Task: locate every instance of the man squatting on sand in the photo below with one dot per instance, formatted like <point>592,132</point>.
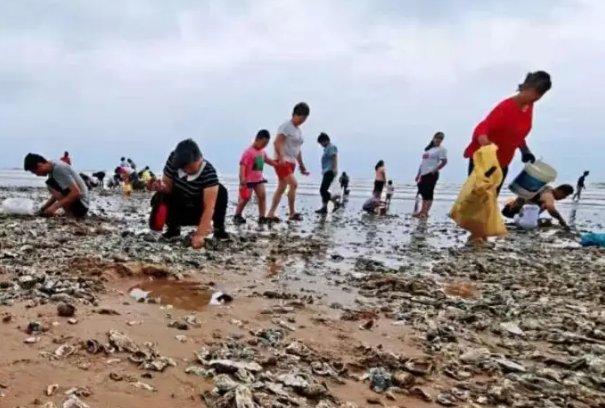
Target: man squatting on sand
<point>189,194</point>
<point>67,189</point>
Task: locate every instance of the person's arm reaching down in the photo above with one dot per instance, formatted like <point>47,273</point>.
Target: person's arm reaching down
<point>335,162</point>
<point>526,154</point>
<point>278,145</point>
<point>242,174</point>
<point>269,160</point>
<point>493,121</point>
<point>549,205</point>
<point>301,163</point>
<point>209,201</point>
<point>46,205</point>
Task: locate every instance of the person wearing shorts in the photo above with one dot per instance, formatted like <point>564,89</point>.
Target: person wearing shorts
<point>329,170</point>
<point>288,153</point>
<point>251,177</point>
<point>434,159</point>
<point>380,179</point>
<point>67,189</point>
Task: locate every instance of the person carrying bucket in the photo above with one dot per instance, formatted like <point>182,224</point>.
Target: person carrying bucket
<point>509,123</point>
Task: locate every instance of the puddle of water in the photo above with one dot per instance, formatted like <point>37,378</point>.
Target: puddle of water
<point>180,295</point>
<point>464,290</point>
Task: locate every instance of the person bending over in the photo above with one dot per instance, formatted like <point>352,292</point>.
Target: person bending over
<point>100,176</point>
<point>68,190</point>
<point>546,200</point>
<point>509,123</point>
<point>188,194</point>
<point>288,152</point>
<point>344,183</point>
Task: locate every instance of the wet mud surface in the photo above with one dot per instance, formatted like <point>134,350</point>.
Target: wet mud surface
<point>334,313</point>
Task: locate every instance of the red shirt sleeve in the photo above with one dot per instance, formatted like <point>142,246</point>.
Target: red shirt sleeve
<point>245,160</point>
<point>493,120</point>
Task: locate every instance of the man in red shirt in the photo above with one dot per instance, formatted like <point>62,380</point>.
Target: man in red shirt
<point>509,123</point>
<point>66,158</point>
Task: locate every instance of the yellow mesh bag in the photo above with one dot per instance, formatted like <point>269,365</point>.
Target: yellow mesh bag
<point>476,209</point>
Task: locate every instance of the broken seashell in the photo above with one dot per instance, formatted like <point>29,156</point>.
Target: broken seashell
<point>74,402</point>
<point>51,389</point>
<point>93,346</point>
<point>224,384</point>
<point>244,397</point>
<point>121,341</point>
<point>139,357</point>
<point>65,350</point>
<point>143,386</point>
<point>421,367</point>
<point>404,379</point>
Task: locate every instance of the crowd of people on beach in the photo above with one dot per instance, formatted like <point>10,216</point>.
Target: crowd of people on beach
<point>189,192</point>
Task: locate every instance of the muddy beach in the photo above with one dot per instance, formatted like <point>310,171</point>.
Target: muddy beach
<point>349,312</point>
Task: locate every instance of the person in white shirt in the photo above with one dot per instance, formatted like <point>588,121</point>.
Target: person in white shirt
<point>288,154</point>
<point>434,159</point>
<point>528,217</point>
<point>390,192</point>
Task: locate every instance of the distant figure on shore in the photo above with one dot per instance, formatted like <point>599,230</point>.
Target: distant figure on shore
<point>131,164</point>
<point>189,193</point>
<point>545,200</point>
<point>580,187</point>
<point>390,192</point>
<point>68,190</point>
<point>126,184</point>
<point>123,162</point>
<point>145,175</point>
<point>251,178</point>
<point>90,183</point>
<point>344,183</point>
<point>509,123</point>
<point>66,159</point>
<point>288,153</point>
<point>434,159</point>
<point>100,176</point>
<point>380,179</point>
<point>329,170</point>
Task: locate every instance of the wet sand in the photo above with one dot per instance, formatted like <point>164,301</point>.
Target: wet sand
<point>427,321</point>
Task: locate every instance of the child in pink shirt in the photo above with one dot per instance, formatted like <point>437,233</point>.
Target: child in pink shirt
<point>251,176</point>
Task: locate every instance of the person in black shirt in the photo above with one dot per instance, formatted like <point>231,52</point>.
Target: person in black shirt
<point>100,175</point>
<point>189,193</point>
<point>344,183</point>
<point>580,186</point>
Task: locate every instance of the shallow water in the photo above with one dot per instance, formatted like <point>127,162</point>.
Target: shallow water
<point>179,295</point>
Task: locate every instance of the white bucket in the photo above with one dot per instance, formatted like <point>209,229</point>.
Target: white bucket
<point>533,178</point>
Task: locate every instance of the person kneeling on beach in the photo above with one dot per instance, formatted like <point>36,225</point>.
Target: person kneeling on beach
<point>67,189</point>
<point>188,194</point>
<point>545,200</point>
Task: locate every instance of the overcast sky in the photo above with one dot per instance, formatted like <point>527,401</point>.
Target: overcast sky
<point>109,78</point>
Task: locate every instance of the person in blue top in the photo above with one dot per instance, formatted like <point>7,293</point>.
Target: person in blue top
<point>329,170</point>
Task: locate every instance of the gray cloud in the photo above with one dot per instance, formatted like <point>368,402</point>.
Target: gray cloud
<point>103,79</point>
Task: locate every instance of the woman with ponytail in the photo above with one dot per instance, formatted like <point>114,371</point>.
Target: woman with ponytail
<point>434,159</point>
<point>509,123</point>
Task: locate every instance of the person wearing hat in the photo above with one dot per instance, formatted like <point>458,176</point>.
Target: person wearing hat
<point>189,194</point>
